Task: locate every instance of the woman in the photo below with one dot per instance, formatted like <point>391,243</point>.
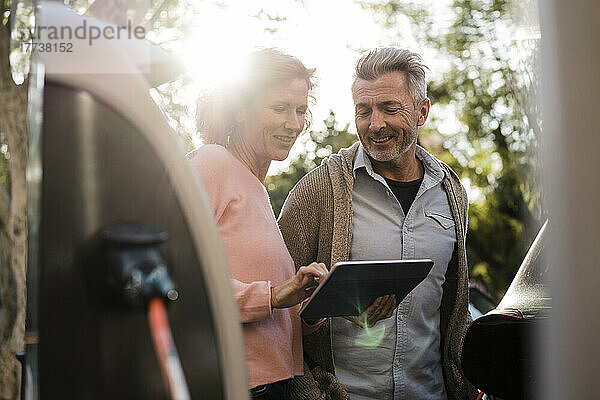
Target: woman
<point>245,128</point>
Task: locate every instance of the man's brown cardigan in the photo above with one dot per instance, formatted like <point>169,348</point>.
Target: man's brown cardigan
<point>316,223</point>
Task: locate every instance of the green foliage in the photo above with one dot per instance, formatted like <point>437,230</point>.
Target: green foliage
<point>19,14</point>
<point>488,126</point>
<point>316,145</point>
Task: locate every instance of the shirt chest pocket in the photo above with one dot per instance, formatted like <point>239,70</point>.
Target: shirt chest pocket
<point>442,218</point>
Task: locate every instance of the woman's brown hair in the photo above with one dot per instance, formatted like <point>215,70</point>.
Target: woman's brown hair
<point>267,69</point>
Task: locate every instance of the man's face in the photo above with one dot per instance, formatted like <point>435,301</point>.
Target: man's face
<point>385,116</point>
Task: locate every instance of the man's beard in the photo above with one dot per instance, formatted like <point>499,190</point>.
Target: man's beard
<point>399,144</point>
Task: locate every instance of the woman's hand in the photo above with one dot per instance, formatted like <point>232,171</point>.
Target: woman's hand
<point>298,287</point>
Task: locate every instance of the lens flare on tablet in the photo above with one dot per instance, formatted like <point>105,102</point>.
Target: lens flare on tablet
<point>370,337</point>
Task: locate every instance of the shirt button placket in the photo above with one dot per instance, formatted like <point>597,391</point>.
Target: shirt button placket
<point>406,240</point>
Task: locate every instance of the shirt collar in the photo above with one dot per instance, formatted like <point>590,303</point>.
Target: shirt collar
<point>430,163</point>
<point>362,161</point>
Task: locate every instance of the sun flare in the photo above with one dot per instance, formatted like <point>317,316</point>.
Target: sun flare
<point>215,47</point>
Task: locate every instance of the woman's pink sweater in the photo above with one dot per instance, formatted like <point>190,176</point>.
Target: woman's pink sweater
<point>257,259</point>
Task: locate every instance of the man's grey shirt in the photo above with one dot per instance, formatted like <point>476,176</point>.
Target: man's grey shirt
<point>398,358</point>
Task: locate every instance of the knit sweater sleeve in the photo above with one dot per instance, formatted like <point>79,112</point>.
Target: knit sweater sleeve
<point>299,218</point>
<point>212,164</point>
<point>300,222</point>
<point>253,299</point>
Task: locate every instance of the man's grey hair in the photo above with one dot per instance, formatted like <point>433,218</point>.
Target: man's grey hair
<point>382,60</point>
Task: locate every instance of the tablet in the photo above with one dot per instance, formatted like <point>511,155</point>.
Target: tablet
<point>352,286</point>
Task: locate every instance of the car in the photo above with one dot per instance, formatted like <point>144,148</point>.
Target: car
<point>480,302</point>
<point>498,350</point>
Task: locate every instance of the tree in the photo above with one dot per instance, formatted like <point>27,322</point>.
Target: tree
<point>13,211</point>
<point>488,127</point>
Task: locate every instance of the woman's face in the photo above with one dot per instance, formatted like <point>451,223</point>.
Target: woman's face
<point>271,125</point>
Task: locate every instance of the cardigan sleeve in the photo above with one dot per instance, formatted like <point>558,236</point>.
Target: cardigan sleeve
<point>299,220</point>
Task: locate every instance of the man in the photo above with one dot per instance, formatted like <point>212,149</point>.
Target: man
<point>385,197</point>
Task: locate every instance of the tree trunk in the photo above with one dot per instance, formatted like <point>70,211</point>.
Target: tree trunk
<point>13,228</point>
